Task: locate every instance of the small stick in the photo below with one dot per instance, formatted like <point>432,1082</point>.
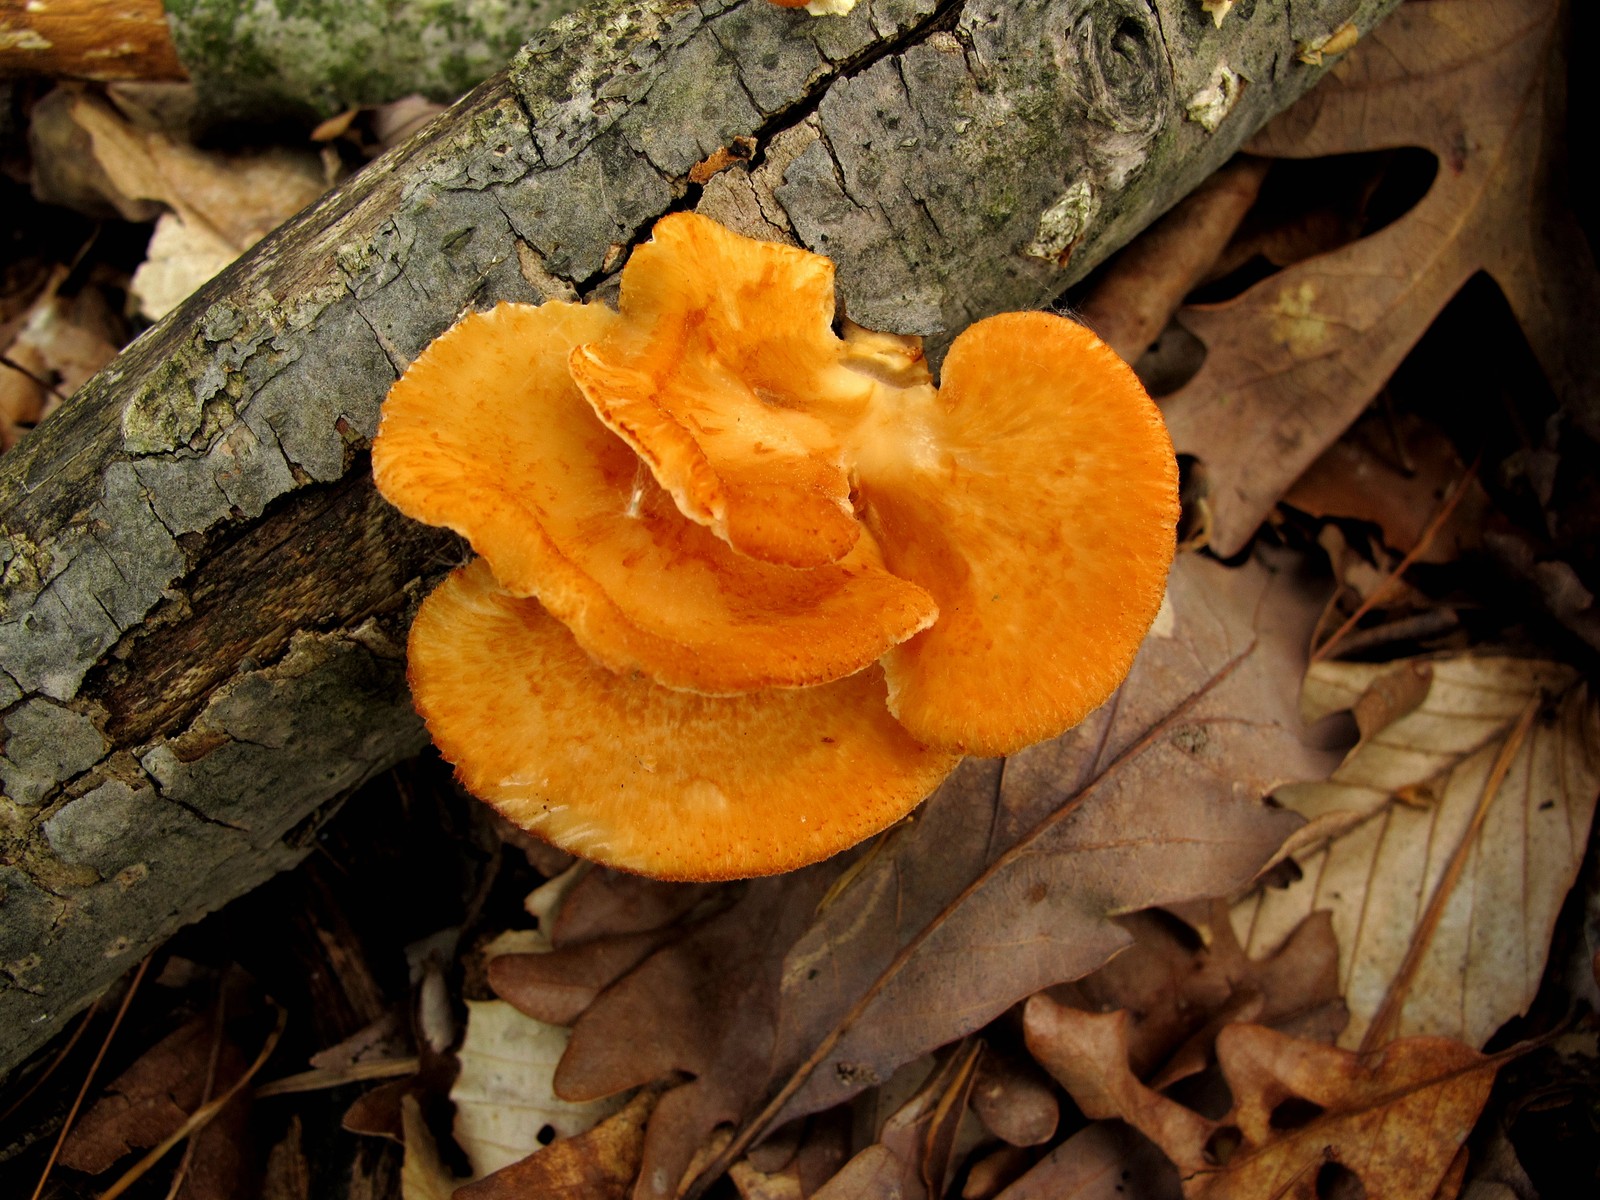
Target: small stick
<point>197,1119</point>
<point>72,1113</point>
<point>1451,502</point>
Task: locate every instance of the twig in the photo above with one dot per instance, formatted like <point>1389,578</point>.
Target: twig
<point>1457,494</point>
<point>72,1113</point>
<point>182,1172</point>
<point>61,1057</point>
<point>328,1077</point>
<point>199,1118</point>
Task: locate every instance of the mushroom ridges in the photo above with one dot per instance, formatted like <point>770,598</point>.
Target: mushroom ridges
<point>637,776</point>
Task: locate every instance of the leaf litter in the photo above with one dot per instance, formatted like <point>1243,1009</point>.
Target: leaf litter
<point>865,1027</point>
<point>1292,361</point>
<point>1418,836</point>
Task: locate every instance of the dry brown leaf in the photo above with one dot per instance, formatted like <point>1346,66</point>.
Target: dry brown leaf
<point>1399,808</point>
<point>1106,1161</point>
<point>706,1005</point>
<point>151,1099</point>
<point>995,1171</point>
<point>1396,475</point>
<point>1304,1114</point>
<point>218,205</point>
<point>1014,1100</point>
<point>558,987</point>
<point>58,343</point>
<point>1008,879</point>
<point>912,1157</point>
<point>240,197</point>
<point>1295,359</point>
<point>599,1164</point>
<point>607,903</point>
<point>1005,883</point>
<point>1179,996</point>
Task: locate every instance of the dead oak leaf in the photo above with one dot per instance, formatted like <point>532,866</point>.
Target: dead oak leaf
<point>1439,869</point>
<point>1103,1161</point>
<point>705,1006</point>
<point>152,1098</point>
<point>1009,879</point>
<point>1395,1118</point>
<point>1292,361</point>
<point>912,1157</point>
<point>1179,996</point>
<point>814,987</point>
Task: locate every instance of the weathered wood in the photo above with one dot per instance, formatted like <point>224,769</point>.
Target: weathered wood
<point>280,59</point>
<point>202,601</point>
<point>87,39</point>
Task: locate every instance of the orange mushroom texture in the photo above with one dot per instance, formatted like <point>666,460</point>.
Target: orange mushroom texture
<point>487,434</point>
<point>1036,498</point>
<point>726,512</point>
<point>663,783</point>
<point>1034,495</point>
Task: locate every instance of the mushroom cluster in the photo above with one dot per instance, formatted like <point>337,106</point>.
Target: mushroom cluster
<point>748,588</point>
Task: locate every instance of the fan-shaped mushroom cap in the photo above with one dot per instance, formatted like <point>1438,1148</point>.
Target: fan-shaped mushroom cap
<point>642,778</point>
<point>1036,497</point>
<point>487,434</point>
<point>725,375</point>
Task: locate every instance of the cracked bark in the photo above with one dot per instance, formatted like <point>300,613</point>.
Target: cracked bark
<point>202,600</point>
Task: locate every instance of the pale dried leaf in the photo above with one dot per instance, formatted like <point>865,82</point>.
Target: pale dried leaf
<point>287,1175</point>
<point>1401,804</point>
<point>753,1184</point>
<point>503,1096</point>
<point>423,1175</point>
<point>181,256</point>
<point>1294,360</point>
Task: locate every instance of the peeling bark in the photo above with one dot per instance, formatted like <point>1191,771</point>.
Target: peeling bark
<point>203,602</point>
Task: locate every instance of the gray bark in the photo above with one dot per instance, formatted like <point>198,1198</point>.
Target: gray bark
<point>202,600</point>
<point>312,58</point>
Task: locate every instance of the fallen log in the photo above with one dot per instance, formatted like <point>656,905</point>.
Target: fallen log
<point>202,600</point>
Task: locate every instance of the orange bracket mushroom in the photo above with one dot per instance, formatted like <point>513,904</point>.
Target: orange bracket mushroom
<point>703,518</point>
